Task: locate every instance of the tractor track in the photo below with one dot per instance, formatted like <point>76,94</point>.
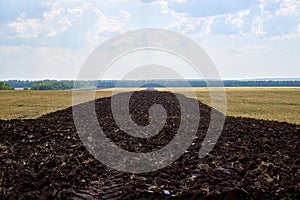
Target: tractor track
<point>109,189</point>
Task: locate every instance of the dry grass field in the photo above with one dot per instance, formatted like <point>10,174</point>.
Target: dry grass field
<point>280,104</point>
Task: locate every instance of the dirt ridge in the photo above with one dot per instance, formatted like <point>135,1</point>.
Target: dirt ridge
<point>45,158</point>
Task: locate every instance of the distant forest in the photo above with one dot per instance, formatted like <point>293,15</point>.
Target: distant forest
<point>67,84</point>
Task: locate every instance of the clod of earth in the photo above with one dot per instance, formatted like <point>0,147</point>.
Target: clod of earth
<point>45,158</point>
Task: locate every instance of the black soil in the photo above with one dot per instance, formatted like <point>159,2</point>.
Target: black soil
<point>45,158</point>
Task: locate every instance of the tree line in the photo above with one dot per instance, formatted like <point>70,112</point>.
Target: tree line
<point>68,85</point>
<point>58,85</point>
<point>5,86</point>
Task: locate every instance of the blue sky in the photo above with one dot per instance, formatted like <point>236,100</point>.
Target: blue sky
<point>244,38</point>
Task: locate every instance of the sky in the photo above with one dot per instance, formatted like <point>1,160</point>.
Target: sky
<point>244,38</point>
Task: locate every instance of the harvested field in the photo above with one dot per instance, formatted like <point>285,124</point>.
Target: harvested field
<point>276,104</point>
<point>44,158</point>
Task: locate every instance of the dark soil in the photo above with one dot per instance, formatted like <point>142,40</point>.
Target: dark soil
<point>45,158</point>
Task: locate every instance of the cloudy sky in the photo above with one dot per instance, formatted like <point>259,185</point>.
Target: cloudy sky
<point>244,38</point>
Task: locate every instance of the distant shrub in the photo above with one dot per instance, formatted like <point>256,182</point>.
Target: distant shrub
<point>4,86</point>
<point>59,85</point>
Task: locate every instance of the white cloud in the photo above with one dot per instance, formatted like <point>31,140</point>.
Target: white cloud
<point>239,20</point>
<point>258,26</point>
<point>271,18</point>
<point>289,7</point>
<point>278,19</point>
<point>51,24</point>
<point>125,15</point>
<point>81,21</point>
<point>274,18</point>
<point>27,28</point>
<point>53,14</point>
<point>64,32</point>
<point>52,33</point>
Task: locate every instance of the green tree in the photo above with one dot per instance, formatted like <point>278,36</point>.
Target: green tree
<point>4,86</point>
<point>42,86</point>
<point>53,85</point>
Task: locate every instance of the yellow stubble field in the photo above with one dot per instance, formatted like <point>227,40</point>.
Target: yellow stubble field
<point>280,104</point>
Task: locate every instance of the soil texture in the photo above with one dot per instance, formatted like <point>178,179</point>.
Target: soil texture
<point>45,158</point>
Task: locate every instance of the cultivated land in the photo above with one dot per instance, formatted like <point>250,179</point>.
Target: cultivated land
<point>46,158</point>
<point>280,104</point>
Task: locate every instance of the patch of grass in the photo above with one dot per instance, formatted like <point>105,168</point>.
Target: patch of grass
<point>280,104</point>
<point>30,104</point>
